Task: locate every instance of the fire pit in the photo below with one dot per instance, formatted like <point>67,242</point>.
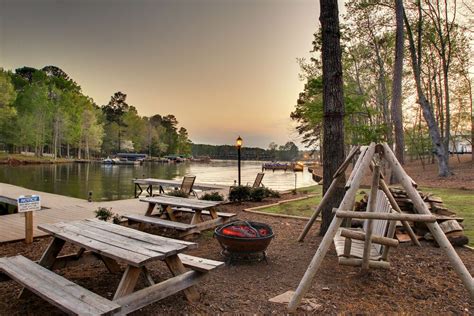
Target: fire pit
<point>243,240</point>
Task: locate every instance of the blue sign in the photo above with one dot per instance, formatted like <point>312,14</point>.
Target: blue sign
<point>29,203</point>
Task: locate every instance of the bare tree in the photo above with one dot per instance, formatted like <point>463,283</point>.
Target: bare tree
<point>415,52</point>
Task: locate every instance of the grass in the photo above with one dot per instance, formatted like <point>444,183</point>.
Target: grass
<point>303,207</point>
<point>31,159</point>
<point>459,201</point>
<point>462,203</point>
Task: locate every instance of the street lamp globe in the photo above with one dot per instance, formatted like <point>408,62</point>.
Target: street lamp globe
<point>238,142</point>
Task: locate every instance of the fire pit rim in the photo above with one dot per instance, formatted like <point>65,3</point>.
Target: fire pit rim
<point>249,239</point>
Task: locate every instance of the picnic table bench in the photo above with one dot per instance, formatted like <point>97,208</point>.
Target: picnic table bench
<point>170,204</point>
<point>112,244</point>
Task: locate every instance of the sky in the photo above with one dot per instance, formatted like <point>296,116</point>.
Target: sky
<point>223,68</point>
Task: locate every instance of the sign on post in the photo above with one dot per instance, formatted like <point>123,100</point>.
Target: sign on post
<point>27,204</point>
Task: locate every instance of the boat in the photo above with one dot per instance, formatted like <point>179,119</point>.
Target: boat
<point>297,166</point>
<point>275,166</point>
<point>201,159</point>
<point>125,159</point>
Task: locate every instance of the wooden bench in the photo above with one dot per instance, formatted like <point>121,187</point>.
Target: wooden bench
<point>199,264</point>
<point>204,212</point>
<point>66,295</point>
<point>154,221</point>
<point>350,243</point>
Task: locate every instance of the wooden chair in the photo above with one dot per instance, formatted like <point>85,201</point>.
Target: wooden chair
<point>350,243</point>
<point>187,185</point>
<point>258,180</point>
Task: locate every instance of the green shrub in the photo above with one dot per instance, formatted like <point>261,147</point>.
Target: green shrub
<point>104,214</point>
<point>213,196</point>
<point>257,194</point>
<point>178,193</point>
<point>240,193</point>
<point>271,193</point>
<point>117,219</point>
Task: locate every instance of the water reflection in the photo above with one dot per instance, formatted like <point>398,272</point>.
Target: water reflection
<point>110,182</point>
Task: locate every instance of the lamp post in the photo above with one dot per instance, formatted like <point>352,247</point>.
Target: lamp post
<point>238,144</point>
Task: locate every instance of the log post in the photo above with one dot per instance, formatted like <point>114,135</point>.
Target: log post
<point>337,181</point>
<point>29,227</point>
<point>370,225</point>
<point>434,228</point>
<point>394,204</point>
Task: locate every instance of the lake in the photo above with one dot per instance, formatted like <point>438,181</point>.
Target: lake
<point>112,182</point>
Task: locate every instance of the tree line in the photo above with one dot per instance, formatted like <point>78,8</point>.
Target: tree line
<point>286,152</point>
<point>406,81</point>
<point>44,111</point>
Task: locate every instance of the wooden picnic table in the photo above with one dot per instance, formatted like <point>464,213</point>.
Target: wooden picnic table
<point>170,204</point>
<point>112,244</point>
<point>163,183</point>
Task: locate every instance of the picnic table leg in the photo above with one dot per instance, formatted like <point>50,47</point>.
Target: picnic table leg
<point>176,267</point>
<point>53,250</point>
<point>111,265</point>
<point>128,281</point>
<point>197,217</point>
<point>151,207</point>
<point>169,211</point>
<point>213,213</point>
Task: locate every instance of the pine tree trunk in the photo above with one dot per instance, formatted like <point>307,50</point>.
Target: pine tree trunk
<point>397,116</point>
<point>333,103</point>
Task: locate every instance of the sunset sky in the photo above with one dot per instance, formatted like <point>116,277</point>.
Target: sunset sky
<point>223,68</point>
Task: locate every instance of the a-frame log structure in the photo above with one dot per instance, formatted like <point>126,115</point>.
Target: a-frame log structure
<point>364,163</point>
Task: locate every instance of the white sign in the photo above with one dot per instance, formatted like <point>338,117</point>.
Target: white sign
<point>28,203</point>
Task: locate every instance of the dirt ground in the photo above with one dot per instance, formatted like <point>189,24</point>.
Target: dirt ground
<point>420,280</point>
<point>427,175</point>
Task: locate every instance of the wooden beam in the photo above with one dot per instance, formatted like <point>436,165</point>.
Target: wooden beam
<point>356,262</point>
<point>334,184</point>
<point>370,226</point>
<point>387,216</point>
<point>158,291</point>
<point>394,204</point>
<point>342,168</point>
<point>375,239</point>
<point>434,228</point>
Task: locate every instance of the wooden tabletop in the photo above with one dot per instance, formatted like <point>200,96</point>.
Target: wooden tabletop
<point>194,204</point>
<point>123,244</point>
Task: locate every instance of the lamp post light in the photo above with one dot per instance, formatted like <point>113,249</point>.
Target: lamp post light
<point>238,144</point>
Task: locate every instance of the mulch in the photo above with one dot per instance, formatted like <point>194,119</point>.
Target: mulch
<point>420,281</point>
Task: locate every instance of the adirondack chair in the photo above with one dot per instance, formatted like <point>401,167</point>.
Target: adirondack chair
<point>258,180</point>
<point>349,243</point>
<point>187,185</point>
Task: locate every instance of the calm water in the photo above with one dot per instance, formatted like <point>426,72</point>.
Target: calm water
<point>115,182</point>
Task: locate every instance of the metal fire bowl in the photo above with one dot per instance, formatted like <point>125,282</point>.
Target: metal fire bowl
<point>242,244</point>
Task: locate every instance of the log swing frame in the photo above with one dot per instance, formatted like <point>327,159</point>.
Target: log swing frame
<point>363,164</point>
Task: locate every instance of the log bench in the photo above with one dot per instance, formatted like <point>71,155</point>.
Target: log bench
<point>62,293</point>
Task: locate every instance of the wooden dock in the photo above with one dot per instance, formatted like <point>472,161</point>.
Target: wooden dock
<point>57,208</point>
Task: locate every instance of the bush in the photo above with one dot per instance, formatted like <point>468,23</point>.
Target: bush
<point>257,194</point>
<point>104,214</point>
<point>240,193</point>
<point>213,196</point>
<point>177,193</point>
<point>271,193</point>
<point>246,193</point>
